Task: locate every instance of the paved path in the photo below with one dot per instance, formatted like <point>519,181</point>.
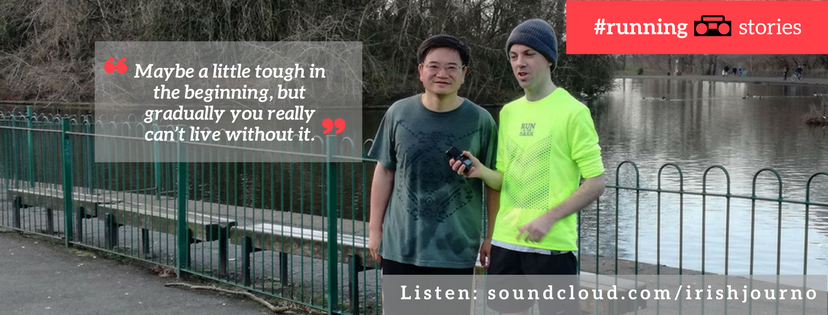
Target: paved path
<point>41,277</point>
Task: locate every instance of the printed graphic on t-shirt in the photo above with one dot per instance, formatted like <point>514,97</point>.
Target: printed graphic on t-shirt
<point>527,129</point>
<point>529,171</point>
<point>440,192</point>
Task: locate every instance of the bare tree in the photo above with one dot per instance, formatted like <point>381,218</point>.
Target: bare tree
<point>47,47</point>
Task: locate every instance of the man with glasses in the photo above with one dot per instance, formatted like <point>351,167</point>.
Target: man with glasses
<point>424,218</point>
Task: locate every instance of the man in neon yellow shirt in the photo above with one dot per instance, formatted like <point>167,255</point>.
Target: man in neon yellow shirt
<point>546,143</point>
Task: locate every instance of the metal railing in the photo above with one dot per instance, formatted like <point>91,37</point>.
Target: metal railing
<point>164,213</point>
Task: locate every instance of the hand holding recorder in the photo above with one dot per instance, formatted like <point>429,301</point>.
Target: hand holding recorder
<point>464,163</point>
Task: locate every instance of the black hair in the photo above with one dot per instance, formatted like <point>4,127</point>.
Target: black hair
<point>439,41</point>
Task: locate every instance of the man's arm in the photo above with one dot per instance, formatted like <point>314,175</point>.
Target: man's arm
<point>381,187</point>
<point>492,207</point>
<point>380,193</point>
<point>583,196</point>
<point>492,178</point>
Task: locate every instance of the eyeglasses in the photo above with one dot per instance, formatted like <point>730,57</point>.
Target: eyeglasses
<point>435,68</point>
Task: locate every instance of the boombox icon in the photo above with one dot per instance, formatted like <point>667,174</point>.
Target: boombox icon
<point>712,25</point>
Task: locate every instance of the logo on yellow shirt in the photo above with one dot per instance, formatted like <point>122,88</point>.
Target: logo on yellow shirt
<point>527,129</point>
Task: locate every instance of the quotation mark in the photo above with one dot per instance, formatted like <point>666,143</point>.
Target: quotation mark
<point>328,124</point>
<point>110,66</point>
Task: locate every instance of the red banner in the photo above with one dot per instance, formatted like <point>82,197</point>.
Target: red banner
<point>697,27</point>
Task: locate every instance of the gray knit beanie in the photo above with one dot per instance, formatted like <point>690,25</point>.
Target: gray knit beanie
<point>539,35</point>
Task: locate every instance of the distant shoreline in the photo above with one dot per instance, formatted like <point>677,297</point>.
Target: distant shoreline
<point>731,78</point>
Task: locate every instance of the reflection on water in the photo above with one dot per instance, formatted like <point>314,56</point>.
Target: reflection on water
<point>696,125</point>
<point>701,124</point>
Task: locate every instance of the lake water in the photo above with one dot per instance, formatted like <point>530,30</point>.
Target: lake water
<point>744,127</point>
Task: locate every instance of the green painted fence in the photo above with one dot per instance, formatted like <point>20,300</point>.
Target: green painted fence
<point>265,226</point>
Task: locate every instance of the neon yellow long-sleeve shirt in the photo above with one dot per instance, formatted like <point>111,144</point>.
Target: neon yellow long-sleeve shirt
<point>545,147</point>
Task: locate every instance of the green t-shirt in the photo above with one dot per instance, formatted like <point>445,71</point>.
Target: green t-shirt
<point>544,149</point>
<point>434,216</point>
